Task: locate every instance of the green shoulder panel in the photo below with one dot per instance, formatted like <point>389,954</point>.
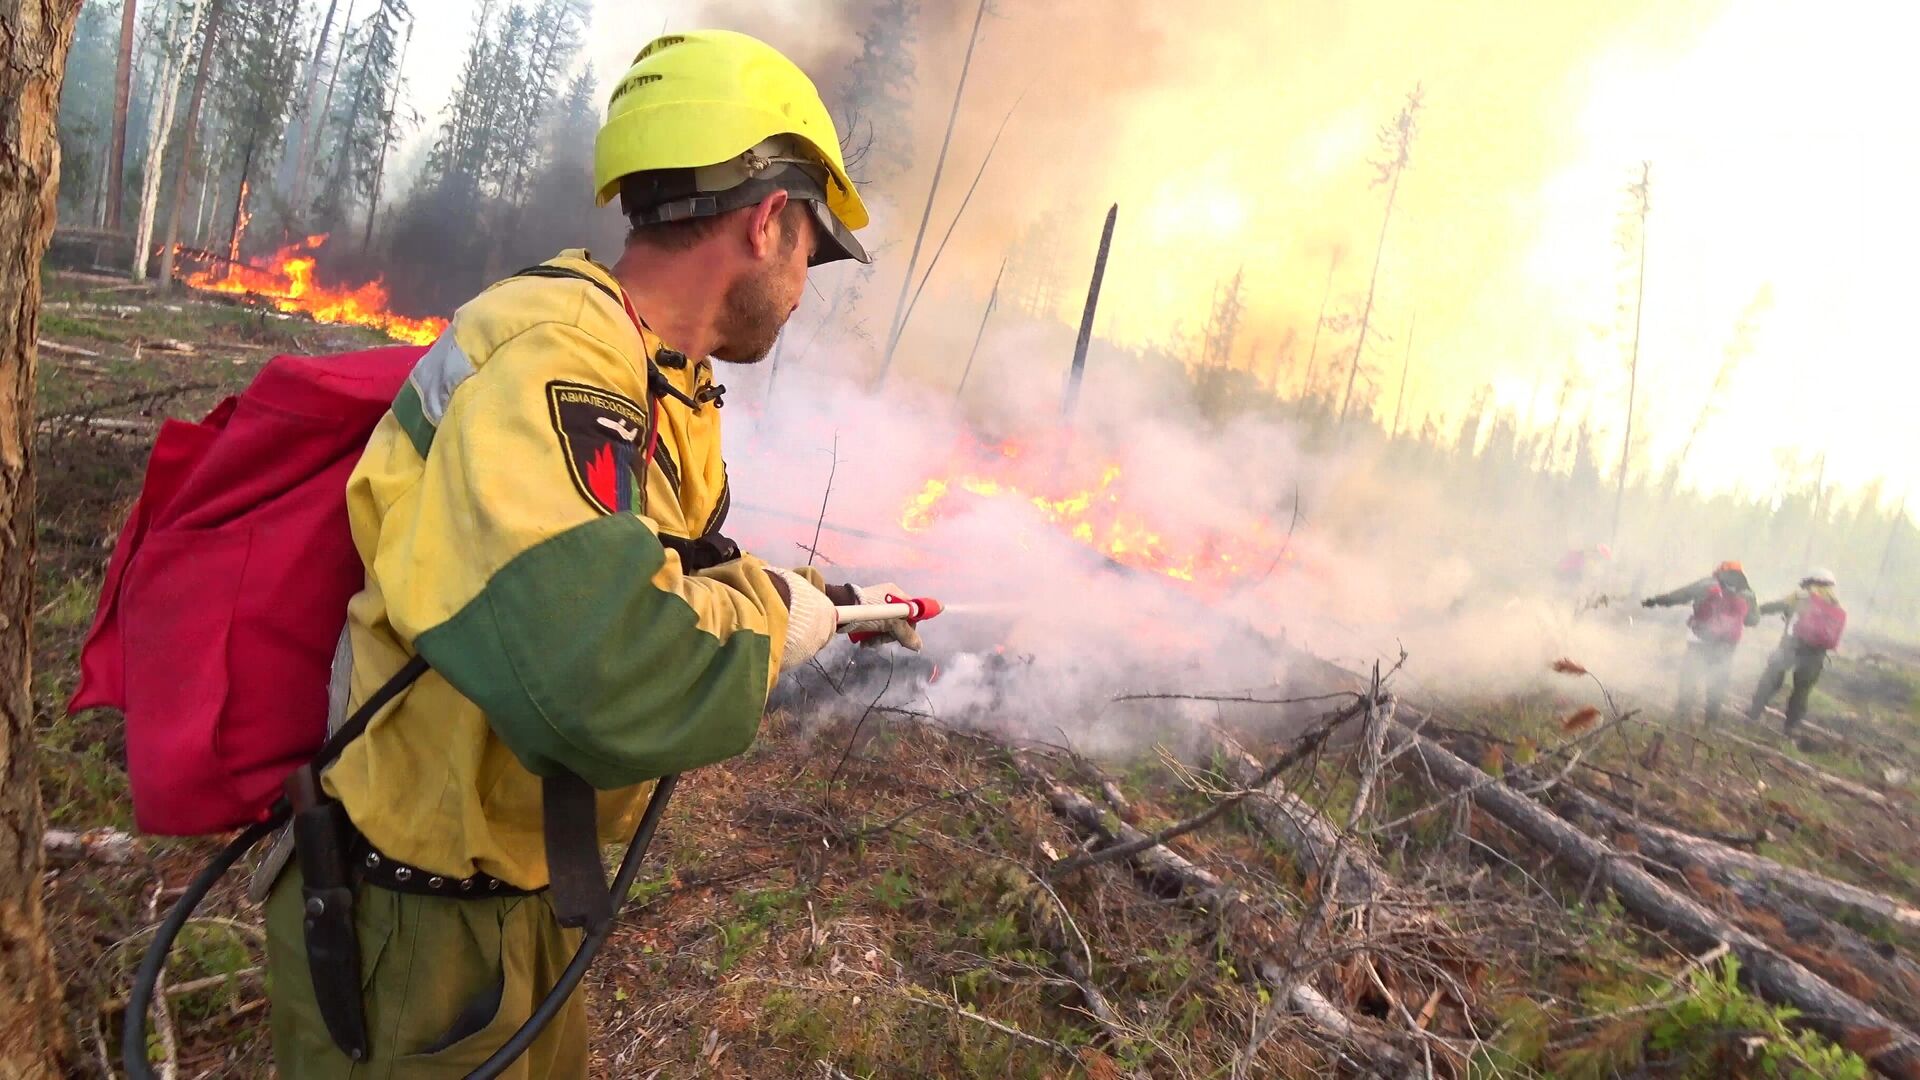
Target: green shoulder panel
<point>581,663</point>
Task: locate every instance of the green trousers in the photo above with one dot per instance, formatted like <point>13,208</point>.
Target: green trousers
<point>446,982</point>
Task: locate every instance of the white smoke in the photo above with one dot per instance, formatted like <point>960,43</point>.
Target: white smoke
<point>1044,632</point>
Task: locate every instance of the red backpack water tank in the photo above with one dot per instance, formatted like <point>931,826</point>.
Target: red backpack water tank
<point>1720,616</point>
<point>227,589</point>
<point>1819,622</point>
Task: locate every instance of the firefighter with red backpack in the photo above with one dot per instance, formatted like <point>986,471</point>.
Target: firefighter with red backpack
<point>545,625</point>
<point>1815,623</point>
<point>1723,607</point>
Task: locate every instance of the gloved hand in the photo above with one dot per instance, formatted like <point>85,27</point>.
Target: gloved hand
<point>1648,602</point>
<point>810,617</point>
<point>899,630</point>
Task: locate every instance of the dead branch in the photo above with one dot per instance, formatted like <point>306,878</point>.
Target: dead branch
<point>1205,892</point>
<point>1773,976</point>
<point>68,350</point>
<point>1302,748</point>
<point>192,986</point>
<point>1292,821</point>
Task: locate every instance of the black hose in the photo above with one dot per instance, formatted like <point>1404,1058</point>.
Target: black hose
<point>556,998</point>
<point>133,1036</point>
<point>133,1031</point>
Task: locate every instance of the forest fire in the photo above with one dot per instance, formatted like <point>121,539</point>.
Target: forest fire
<point>287,282</point>
<point>1096,514</point>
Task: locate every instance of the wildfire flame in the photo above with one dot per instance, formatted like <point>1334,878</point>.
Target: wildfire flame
<point>287,282</point>
<point>1097,515</point>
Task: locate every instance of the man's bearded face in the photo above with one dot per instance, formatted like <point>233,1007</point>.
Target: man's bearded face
<point>757,305</point>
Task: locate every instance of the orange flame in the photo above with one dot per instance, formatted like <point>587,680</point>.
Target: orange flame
<point>242,217</point>
<point>288,284</point>
<point>1098,517</point>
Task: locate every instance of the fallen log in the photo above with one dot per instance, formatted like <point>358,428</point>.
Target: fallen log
<point>1174,876</point>
<point>1293,822</point>
<point>1821,776</point>
<point>1889,1048</point>
<point>64,349</point>
<point>1676,847</point>
<point>111,847</point>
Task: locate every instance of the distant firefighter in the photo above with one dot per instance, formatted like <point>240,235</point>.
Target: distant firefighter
<point>1576,565</point>
<point>1815,621</point>
<point>1723,607</point>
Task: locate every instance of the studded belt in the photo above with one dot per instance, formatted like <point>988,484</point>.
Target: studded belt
<point>381,870</point>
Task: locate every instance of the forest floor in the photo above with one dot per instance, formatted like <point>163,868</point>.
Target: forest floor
<point>873,893</point>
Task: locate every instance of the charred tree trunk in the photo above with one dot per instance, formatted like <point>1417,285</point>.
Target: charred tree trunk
<point>1890,1049</point>
<point>33,57</point>
<point>177,205</point>
<point>306,104</point>
<point>386,140</point>
<point>122,94</point>
<point>317,127</point>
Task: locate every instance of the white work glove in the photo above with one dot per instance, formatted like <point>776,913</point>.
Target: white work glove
<point>899,630</point>
<point>810,617</point>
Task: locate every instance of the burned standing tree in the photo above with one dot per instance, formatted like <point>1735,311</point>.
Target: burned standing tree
<point>1396,145</point>
<point>176,205</point>
<point>1222,332</point>
<point>33,55</point>
<point>1406,368</point>
<point>1638,206</point>
<point>1313,351</point>
<point>256,99</point>
<point>361,130</point>
<point>933,190</point>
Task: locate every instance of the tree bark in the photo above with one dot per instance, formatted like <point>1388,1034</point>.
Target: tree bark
<point>183,174</point>
<point>33,57</point>
<point>1891,1049</point>
<point>122,93</point>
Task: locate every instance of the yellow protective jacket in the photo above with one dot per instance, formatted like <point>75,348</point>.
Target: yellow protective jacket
<point>509,540</point>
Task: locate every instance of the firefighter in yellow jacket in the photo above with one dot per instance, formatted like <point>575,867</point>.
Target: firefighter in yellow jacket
<point>539,517</point>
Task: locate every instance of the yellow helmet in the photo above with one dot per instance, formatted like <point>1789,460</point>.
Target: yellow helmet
<point>707,98</point>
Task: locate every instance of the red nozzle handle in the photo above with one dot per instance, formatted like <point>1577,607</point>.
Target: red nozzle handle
<point>924,608</point>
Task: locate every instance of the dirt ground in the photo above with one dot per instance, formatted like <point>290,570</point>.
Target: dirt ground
<point>870,893</point>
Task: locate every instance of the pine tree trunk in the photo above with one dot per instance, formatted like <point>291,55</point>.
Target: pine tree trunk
<point>1366,311</point>
<point>33,57</point>
<point>317,125</point>
<point>299,146</point>
<point>184,173</point>
<point>168,91</point>
<point>122,91</point>
<point>386,140</point>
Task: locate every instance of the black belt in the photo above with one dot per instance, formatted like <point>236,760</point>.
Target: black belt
<point>386,872</point>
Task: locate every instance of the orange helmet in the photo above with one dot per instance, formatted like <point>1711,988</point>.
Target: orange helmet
<point>1730,566</point>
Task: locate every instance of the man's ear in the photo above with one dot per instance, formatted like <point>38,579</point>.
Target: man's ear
<point>763,225</point>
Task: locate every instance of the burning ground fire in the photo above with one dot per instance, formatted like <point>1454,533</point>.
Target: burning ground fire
<point>287,282</point>
<point>1098,516</point>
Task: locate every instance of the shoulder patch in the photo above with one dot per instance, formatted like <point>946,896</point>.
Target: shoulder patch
<point>602,436</point>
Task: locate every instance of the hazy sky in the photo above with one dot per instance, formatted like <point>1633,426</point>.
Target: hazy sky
<point>1236,134</point>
